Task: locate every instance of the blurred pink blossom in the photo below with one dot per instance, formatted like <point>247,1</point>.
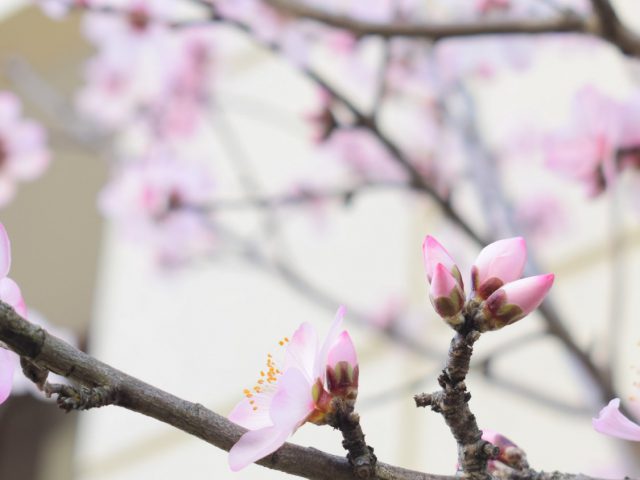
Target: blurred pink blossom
<point>158,201</point>
<point>23,152</point>
<point>587,150</point>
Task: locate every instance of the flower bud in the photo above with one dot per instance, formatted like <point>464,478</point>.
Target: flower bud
<point>434,253</point>
<point>514,301</point>
<point>446,295</point>
<point>510,454</point>
<point>498,263</point>
<point>342,368</point>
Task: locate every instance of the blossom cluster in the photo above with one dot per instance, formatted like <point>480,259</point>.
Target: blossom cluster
<point>497,290</point>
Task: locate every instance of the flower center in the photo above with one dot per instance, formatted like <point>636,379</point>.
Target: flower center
<point>267,380</point>
<point>139,20</point>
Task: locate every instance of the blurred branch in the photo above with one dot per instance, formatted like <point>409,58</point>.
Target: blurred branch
<point>302,198</point>
<point>568,23</point>
<point>297,281</point>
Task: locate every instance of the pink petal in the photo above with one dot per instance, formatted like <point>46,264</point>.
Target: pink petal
<point>290,407</point>
<point>613,423</point>
<point>343,350</point>
<point>10,293</point>
<point>302,350</point>
<point>504,259</point>
<point>528,292</point>
<point>293,401</point>
<point>257,444</point>
<point>442,282</point>
<point>244,415</point>
<point>5,252</point>
<point>320,366</point>
<point>433,254</point>
<point>8,364</point>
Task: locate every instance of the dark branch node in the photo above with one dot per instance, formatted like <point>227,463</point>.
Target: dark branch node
<point>81,398</point>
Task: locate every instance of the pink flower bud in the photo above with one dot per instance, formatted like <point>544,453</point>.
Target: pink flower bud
<point>510,454</point>
<point>434,253</point>
<point>342,368</point>
<point>498,263</point>
<point>446,295</point>
<point>515,300</point>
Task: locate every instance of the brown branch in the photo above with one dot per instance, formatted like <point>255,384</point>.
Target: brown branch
<point>453,403</point>
<point>51,353</point>
<point>604,24</point>
<point>55,355</point>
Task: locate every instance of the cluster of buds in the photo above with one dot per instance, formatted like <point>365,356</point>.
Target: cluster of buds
<point>498,296</point>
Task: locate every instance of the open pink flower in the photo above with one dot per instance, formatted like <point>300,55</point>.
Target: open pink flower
<point>10,294</point>
<point>286,397</point>
<point>23,152</point>
<point>612,422</point>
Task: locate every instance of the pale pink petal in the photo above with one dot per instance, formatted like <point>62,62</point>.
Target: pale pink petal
<point>10,293</point>
<point>442,283</point>
<point>293,402</point>
<point>434,253</point>
<point>256,444</point>
<point>343,350</point>
<point>613,423</point>
<point>302,350</point>
<point>527,293</point>
<point>504,259</point>
<point>320,366</point>
<point>244,414</point>
<point>290,406</point>
<point>8,364</point>
<point>5,252</point>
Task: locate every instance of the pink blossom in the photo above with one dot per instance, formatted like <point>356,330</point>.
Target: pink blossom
<point>159,201</point>
<point>515,300</point>
<point>586,150</point>
<point>10,294</point>
<point>612,422</point>
<point>286,397</point>
<point>23,152</point>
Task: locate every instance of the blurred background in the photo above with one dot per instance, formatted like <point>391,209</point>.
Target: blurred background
<point>287,205</point>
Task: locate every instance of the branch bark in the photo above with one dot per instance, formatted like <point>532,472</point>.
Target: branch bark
<point>49,352</point>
